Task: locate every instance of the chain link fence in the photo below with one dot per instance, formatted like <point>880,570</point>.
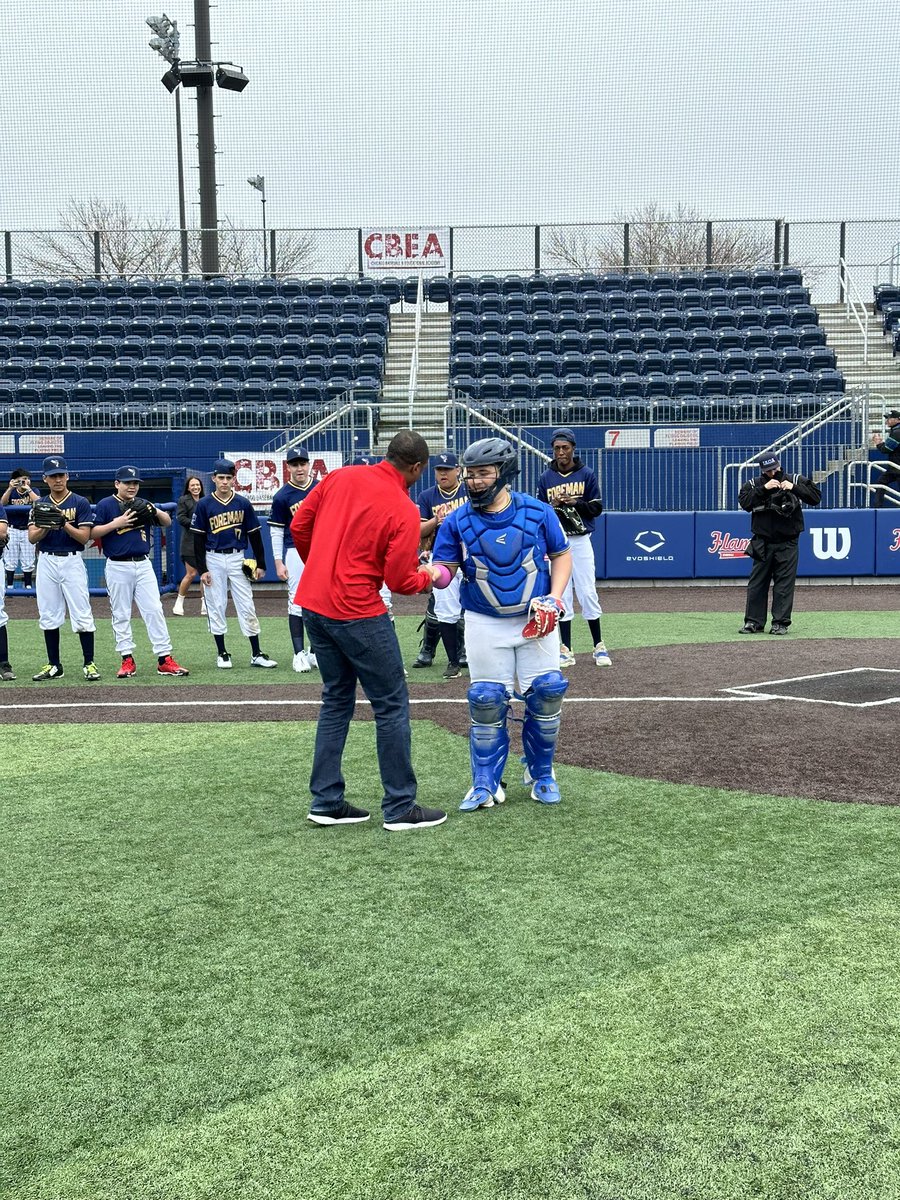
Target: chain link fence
<point>868,246</point>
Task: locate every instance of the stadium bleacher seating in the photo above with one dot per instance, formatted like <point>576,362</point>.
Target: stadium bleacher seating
<point>711,345</point>
<point>220,353</point>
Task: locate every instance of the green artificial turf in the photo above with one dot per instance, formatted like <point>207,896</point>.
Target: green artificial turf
<point>194,648</point>
<point>652,991</point>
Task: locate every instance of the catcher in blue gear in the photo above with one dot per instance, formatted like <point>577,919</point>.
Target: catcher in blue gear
<point>515,563</point>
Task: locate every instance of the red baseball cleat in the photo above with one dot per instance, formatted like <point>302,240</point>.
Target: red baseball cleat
<point>169,666</point>
<point>127,668</point>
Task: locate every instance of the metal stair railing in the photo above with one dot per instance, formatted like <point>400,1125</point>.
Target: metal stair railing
<point>891,495</point>
<point>853,404</point>
<point>855,306</point>
<point>533,460</point>
<point>341,421</point>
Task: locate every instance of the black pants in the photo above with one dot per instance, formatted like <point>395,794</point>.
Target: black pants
<point>889,479</point>
<point>778,567</point>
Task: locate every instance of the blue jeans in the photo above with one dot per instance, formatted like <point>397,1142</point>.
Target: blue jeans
<point>365,650</point>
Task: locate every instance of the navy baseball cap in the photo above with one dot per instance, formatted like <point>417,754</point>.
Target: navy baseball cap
<point>128,475</point>
<point>446,458</point>
<point>298,454</point>
<point>55,466</point>
<point>562,435</point>
<point>224,466</point>
<point>363,460</point>
<point>893,415</point>
<point>769,462</point>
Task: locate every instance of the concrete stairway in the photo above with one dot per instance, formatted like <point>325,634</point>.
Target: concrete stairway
<point>433,376</point>
<point>881,373</point>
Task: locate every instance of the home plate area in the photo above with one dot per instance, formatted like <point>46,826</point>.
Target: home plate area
<point>857,687</point>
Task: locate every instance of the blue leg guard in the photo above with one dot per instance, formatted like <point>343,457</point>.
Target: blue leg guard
<point>540,730</point>
<point>488,744</point>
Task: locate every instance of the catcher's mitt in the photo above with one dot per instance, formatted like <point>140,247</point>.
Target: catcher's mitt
<point>144,511</point>
<point>544,613</point>
<point>46,515</point>
<point>570,519</point>
<point>248,566</point>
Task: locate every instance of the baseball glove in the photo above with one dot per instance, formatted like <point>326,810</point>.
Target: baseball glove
<point>46,515</point>
<point>248,566</point>
<point>144,511</point>
<point>570,519</point>
<point>544,613</point>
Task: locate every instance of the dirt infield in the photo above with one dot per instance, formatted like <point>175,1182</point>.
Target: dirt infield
<point>664,712</point>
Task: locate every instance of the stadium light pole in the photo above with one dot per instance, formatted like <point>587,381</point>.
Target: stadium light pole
<point>206,148</point>
<point>167,43</point>
<point>259,183</point>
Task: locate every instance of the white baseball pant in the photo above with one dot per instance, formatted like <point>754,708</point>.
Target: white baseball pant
<point>19,551</point>
<point>226,573</point>
<point>4,618</point>
<point>583,580</point>
<point>498,653</point>
<point>447,607</point>
<point>61,582</point>
<point>130,583</point>
<point>294,564</point>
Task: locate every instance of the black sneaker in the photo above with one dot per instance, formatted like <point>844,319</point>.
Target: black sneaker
<point>750,627</point>
<point>346,815</point>
<point>451,671</point>
<point>422,661</point>
<point>776,628</point>
<point>417,818</point>
<point>6,672</point>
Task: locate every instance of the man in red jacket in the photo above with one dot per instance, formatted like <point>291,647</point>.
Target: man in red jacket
<point>357,530</point>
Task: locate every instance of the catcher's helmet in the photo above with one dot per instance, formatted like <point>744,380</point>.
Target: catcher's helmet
<point>490,452</point>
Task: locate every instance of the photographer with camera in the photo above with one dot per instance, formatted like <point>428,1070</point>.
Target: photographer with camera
<point>774,501</point>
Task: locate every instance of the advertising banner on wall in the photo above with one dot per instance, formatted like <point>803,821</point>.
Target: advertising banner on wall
<point>720,539</point>
<point>649,545</point>
<point>887,541</point>
<point>839,541</point>
<point>406,250</point>
<point>260,474</point>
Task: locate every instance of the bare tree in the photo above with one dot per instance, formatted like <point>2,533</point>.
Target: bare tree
<point>134,246</point>
<point>657,238</point>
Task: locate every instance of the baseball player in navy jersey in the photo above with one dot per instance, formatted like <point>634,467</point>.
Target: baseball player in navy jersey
<point>515,563</point>
<point>125,538</point>
<point>17,500</point>
<point>435,505</point>
<point>571,488</point>
<point>61,577</point>
<point>227,524</point>
<point>6,671</point>
<point>288,564</point>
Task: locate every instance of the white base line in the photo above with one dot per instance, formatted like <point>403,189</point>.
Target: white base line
<point>73,704</point>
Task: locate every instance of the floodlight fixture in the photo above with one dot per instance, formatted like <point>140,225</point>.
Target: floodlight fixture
<point>258,182</point>
<point>196,74</point>
<point>231,78</point>
<point>171,79</point>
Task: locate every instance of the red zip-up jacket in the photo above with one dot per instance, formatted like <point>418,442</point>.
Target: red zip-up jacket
<point>357,528</point>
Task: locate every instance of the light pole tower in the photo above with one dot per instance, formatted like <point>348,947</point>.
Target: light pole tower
<point>167,43</point>
<point>259,183</point>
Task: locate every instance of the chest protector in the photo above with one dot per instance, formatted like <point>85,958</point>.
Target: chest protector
<point>506,563</point>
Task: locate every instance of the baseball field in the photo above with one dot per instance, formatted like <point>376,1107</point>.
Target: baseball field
<point>680,983</point>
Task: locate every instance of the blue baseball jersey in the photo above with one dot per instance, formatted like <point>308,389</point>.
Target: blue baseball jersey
<point>435,503</point>
<point>224,523</point>
<point>17,509</point>
<point>121,543</point>
<point>285,503</point>
<point>579,483</point>
<point>77,510</point>
<point>503,555</point>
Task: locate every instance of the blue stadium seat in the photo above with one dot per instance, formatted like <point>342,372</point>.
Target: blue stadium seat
<point>789,277</point>
<point>708,360</point>
<point>650,339</point>
<point>763,359</point>
<point>179,367</point>
<point>95,369</point>
<point>756,337</point>
<point>735,360</point>
<point>742,383</point>
<point>820,358</point>
<point>809,336</point>
<point>622,339</point>
<point>828,381</point>
<point>770,383</point>
<point>657,384</point>
<point>121,370</point>
<point>694,318</point>
<point>802,314</point>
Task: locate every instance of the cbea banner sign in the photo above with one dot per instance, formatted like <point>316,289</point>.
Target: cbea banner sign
<point>408,250</point>
<point>260,475</point>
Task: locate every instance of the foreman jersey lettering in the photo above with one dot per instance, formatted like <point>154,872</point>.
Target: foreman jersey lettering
<point>580,484</point>
<point>435,503</point>
<point>77,510</point>
<point>121,542</point>
<point>285,503</point>
<point>224,523</point>
<point>17,509</point>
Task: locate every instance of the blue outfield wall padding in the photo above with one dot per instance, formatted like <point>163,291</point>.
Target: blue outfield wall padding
<point>720,539</point>
<point>838,541</point>
<point>887,541</point>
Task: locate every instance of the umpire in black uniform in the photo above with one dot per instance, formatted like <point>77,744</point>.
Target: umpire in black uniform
<point>774,500</point>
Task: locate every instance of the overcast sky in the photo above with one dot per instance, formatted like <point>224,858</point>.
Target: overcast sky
<point>473,112</point>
